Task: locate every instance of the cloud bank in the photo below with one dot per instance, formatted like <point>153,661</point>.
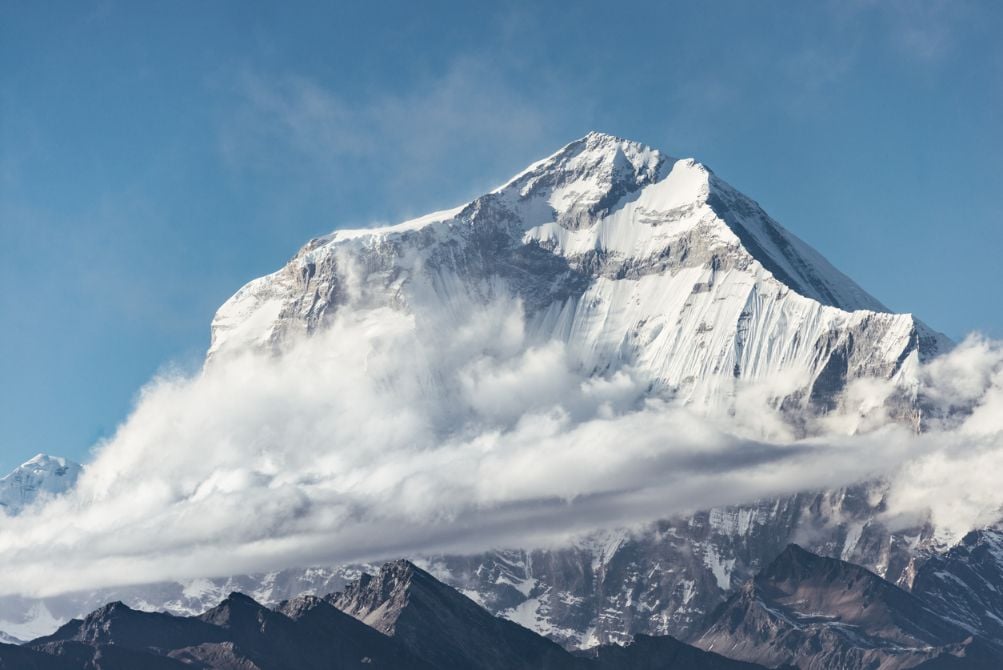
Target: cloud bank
<point>388,434</point>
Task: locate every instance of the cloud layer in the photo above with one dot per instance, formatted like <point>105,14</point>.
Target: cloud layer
<point>390,434</point>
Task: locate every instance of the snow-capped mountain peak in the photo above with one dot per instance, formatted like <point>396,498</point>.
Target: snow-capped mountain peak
<point>628,256</point>
<point>43,475</point>
<point>588,176</point>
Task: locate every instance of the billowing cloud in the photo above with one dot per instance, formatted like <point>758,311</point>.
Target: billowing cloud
<point>389,434</point>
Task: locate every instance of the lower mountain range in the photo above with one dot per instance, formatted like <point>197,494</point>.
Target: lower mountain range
<point>802,611</point>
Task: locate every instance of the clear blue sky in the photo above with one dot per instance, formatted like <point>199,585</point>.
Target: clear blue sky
<point>155,156</point>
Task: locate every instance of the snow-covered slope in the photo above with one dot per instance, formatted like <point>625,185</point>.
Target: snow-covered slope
<point>41,476</point>
<point>629,256</point>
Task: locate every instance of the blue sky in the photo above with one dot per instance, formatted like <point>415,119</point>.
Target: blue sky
<point>156,156</point>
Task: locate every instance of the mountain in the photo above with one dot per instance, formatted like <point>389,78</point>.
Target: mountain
<point>666,577</point>
<point>965,583</point>
<point>802,611</point>
<point>237,633</point>
<point>628,256</point>
<point>400,619</point>
<point>443,626</point>
<point>660,579</point>
<point>41,476</point>
<point>823,613</point>
<point>80,656</point>
<point>6,638</point>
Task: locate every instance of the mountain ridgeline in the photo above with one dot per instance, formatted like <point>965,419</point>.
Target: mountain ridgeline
<point>402,618</point>
<point>803,611</point>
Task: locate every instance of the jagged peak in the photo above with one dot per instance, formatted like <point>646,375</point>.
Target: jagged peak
<point>795,564</point>
<point>590,173</point>
<point>401,566</point>
<point>40,459</point>
<point>238,600</point>
<point>795,553</point>
<point>295,607</point>
<point>41,476</point>
<point>115,608</point>
<point>236,607</point>
<point>40,462</point>
<point>390,591</point>
<point>977,544</point>
<point>392,578</point>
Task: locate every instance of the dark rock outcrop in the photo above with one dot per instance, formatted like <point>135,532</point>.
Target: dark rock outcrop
<point>825,614</point>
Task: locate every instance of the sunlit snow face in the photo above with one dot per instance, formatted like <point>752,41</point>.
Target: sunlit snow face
<point>390,434</point>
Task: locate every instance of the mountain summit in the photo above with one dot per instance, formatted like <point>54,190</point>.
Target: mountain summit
<point>43,475</point>
<point>628,255</point>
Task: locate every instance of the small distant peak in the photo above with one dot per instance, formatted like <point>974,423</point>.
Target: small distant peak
<point>403,570</point>
<point>300,605</point>
<point>45,463</point>
<point>236,609</point>
<point>792,558</point>
<point>982,537</point>
<point>399,571</point>
<point>796,564</point>
<point>400,565</point>
<point>238,597</point>
<point>795,552</point>
<point>111,609</point>
<point>236,602</point>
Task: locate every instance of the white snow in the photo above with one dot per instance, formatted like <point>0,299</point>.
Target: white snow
<point>720,568</point>
<point>854,529</point>
<point>7,638</point>
<point>411,224</point>
<point>41,477</point>
<point>36,622</point>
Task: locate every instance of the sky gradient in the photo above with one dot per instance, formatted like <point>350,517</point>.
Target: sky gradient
<point>155,157</point>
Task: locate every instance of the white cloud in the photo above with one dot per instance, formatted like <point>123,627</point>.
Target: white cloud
<point>389,434</point>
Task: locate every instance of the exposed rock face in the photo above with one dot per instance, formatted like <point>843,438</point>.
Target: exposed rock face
<point>237,633</point>
<point>965,584</point>
<point>818,612</point>
<point>441,625</point>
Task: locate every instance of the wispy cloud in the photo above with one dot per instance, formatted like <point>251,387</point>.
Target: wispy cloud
<point>420,138</point>
<point>923,31</point>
